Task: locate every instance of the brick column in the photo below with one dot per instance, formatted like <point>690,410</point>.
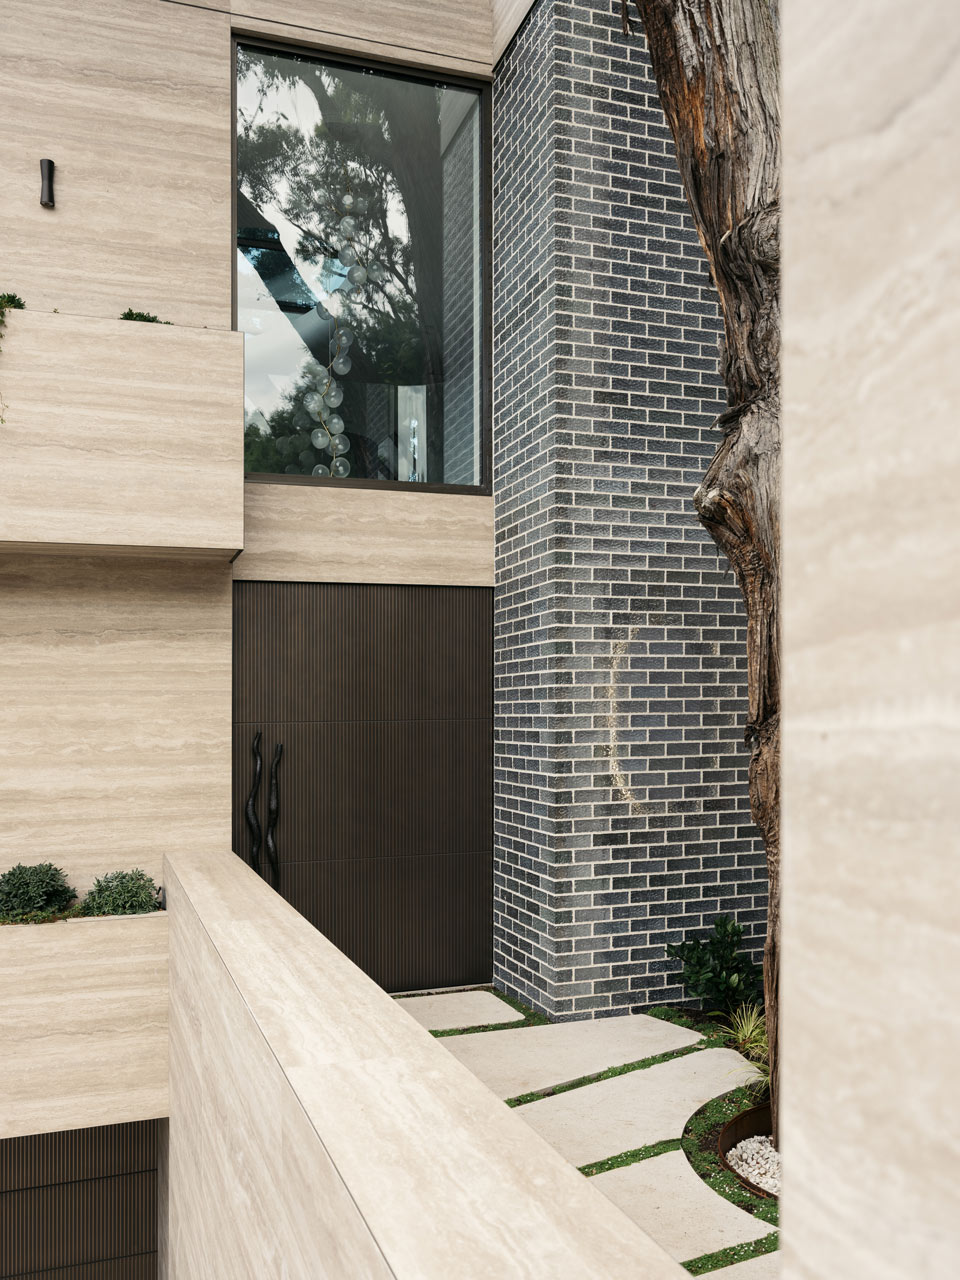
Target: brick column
<point>622,817</point>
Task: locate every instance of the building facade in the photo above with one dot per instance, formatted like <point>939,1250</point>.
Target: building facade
<point>372,560</point>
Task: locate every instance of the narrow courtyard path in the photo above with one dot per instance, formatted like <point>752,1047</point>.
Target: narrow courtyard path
<point>613,1096</point>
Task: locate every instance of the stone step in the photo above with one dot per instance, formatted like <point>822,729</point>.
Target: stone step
<point>670,1202</point>
<point>514,1062</point>
<point>632,1110</point>
<point>451,1010</point>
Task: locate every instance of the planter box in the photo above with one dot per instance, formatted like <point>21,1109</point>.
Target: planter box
<point>83,1006</point>
<point>120,436</point>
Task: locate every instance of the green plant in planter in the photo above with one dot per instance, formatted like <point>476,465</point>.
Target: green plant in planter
<point>715,970</point>
<point>121,893</point>
<point>10,302</point>
<point>29,893</point>
<point>146,317</point>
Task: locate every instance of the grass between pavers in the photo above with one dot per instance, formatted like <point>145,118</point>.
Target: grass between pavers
<point>610,1072</point>
<point>630,1157</point>
<point>713,1038</point>
<point>692,1020</point>
<point>735,1253</point>
<point>531,1018</point>
<point>699,1145</point>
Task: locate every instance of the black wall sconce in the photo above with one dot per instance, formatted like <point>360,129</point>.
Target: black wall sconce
<point>46,184</point>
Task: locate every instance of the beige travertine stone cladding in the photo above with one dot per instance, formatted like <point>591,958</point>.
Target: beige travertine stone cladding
<point>305,533</point>
<point>508,15</point>
<point>131,100</point>
<point>83,1007</point>
<point>440,35</point>
<point>317,1130</point>
<point>121,435</point>
<point>115,716</point>
<point>871,746</point>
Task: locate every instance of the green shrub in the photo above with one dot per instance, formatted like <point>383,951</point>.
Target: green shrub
<point>35,891</point>
<point>121,893</point>
<point>715,970</point>
<point>145,316</point>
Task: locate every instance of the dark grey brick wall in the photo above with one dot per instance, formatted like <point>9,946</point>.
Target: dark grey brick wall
<point>622,818</point>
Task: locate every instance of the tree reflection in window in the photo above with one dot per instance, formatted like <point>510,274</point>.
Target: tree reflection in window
<point>358,271</point>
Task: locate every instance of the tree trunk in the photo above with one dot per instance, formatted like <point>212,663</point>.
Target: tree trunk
<point>718,71</point>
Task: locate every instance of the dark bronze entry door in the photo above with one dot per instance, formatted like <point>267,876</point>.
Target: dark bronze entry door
<point>382,699</point>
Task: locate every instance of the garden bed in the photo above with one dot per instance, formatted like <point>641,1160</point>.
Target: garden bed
<point>753,1123</point>
<point>700,1144</point>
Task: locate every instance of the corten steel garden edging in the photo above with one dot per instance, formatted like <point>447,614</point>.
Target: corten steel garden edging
<point>754,1123</point>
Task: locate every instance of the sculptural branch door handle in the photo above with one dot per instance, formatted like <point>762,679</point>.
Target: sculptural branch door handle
<point>250,810</point>
<point>273,812</point>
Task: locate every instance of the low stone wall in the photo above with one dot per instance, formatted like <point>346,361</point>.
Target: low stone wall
<point>316,1129</point>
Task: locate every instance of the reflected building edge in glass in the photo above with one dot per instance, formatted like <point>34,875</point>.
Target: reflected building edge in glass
<point>358,272</point>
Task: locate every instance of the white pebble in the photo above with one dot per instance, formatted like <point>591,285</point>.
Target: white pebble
<point>758,1160</point>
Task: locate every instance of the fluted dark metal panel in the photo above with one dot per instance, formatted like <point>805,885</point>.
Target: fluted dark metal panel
<point>73,1155</point>
<point>142,1267</point>
<point>372,789</point>
<point>80,1204</point>
<point>382,697</point>
<point>411,923</point>
<point>333,651</point>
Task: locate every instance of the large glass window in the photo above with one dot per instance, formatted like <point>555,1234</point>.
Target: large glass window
<point>358,272</point>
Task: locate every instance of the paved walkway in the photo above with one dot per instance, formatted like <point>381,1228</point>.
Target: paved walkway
<point>596,1120</point>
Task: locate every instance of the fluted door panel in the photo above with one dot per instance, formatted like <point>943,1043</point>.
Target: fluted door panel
<point>381,700</point>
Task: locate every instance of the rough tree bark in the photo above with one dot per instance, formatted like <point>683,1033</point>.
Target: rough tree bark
<point>718,71</point>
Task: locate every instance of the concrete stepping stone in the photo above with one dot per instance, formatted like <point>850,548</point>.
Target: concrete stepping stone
<point>665,1197</point>
<point>452,1010</point>
<point>765,1268</point>
<point>515,1062</point>
<point>632,1110</point>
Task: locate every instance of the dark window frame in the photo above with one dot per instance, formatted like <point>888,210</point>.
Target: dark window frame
<point>422,76</point>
